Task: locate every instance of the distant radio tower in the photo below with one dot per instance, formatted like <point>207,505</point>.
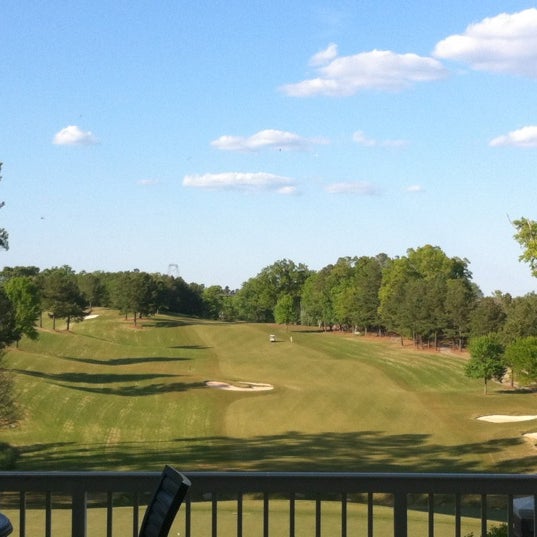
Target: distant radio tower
<point>173,270</point>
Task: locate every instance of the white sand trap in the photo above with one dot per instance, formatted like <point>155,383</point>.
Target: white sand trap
<point>531,436</point>
<point>502,418</point>
<point>90,317</point>
<point>240,386</point>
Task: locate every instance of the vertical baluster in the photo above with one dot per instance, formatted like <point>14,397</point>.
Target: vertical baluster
<point>109,515</point>
<point>239,514</point>
<point>369,514</point>
<point>292,514</point>
<point>48,513</point>
<point>214,515</point>
<point>400,514</point>
<point>344,515</point>
<point>457,515</point>
<point>430,504</point>
<point>483,515</point>
<point>135,514</point>
<point>79,515</point>
<point>534,518</point>
<point>22,514</point>
<point>188,517</point>
<point>318,516</point>
<point>265,515</point>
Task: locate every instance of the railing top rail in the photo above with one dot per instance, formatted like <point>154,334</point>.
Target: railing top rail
<point>466,483</point>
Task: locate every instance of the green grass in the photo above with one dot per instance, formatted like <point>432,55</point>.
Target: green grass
<point>111,396</point>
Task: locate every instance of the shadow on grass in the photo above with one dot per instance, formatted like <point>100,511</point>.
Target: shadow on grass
<point>163,323</point>
<point>371,451</point>
<point>125,361</point>
<point>112,384</point>
<point>90,378</point>
<point>517,391</point>
<point>135,390</point>
<point>190,347</point>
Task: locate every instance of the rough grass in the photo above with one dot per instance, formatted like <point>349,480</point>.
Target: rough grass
<point>111,396</point>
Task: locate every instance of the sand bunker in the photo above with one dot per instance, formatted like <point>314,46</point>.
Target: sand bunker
<point>531,436</point>
<point>502,418</point>
<point>240,386</point>
<point>90,317</point>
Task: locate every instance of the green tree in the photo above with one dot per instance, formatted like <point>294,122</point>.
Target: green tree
<point>24,295</point>
<point>258,296</point>
<point>459,303</point>
<point>340,288</point>
<point>316,306</point>
<point>393,296</point>
<point>486,359</point>
<point>8,410</point>
<point>62,296</point>
<point>8,334</point>
<point>526,236</point>
<point>521,317</point>
<point>488,316</point>
<point>10,272</point>
<point>135,292</point>
<point>218,303</point>
<point>92,286</point>
<point>285,311</point>
<point>367,281</point>
<point>521,355</point>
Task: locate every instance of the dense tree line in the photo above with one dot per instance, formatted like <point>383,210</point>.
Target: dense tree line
<point>424,296</point>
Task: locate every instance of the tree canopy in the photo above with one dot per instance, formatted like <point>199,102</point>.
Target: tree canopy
<point>526,236</point>
<point>521,355</point>
<point>486,359</point>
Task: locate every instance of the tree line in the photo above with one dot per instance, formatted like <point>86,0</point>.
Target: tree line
<point>424,296</point>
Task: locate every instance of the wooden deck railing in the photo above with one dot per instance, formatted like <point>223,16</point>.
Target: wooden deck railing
<point>489,498</point>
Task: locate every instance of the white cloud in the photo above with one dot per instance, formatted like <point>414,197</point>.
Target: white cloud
<point>360,138</point>
<point>266,139</point>
<point>377,69</point>
<point>241,181</point>
<point>356,187</point>
<point>324,56</point>
<point>287,190</point>
<point>524,137</point>
<point>414,189</point>
<point>74,135</point>
<point>506,43</point>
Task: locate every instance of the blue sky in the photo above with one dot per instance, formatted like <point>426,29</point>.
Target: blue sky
<point>223,136</point>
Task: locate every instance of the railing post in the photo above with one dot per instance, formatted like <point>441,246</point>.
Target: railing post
<point>79,515</point>
<point>400,514</point>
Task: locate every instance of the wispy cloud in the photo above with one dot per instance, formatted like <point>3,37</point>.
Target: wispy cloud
<point>241,181</point>
<point>267,139</point>
<point>360,138</point>
<point>524,137</point>
<point>414,189</point>
<point>74,135</point>
<point>506,43</point>
<point>361,188</point>
<point>378,69</point>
